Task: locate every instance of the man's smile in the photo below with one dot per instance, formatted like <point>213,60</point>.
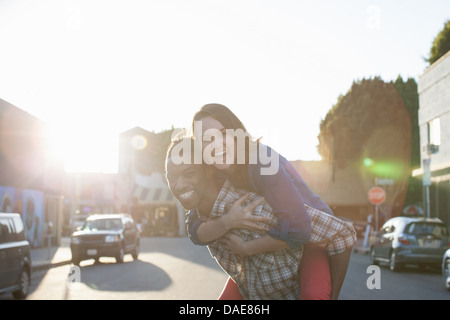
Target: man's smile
<point>187,195</point>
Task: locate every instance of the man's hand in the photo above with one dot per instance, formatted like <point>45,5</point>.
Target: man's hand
<point>239,246</point>
<point>234,244</point>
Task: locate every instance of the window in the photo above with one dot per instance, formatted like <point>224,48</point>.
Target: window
<point>20,232</point>
<point>419,228</point>
<point>6,230</point>
<point>434,132</point>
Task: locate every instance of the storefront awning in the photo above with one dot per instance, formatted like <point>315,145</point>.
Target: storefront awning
<point>152,195</point>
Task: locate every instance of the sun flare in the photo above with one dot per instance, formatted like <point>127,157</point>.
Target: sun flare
<point>84,149</point>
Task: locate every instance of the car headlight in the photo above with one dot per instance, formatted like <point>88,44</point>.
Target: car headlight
<point>75,240</point>
<point>112,238</point>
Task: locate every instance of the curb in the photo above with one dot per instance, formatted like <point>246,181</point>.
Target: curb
<point>361,250</point>
<point>43,266</point>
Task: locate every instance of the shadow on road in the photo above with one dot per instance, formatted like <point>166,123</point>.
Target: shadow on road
<point>135,275</point>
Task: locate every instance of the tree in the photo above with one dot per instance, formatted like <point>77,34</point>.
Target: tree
<point>408,91</point>
<point>441,44</point>
<point>369,129</point>
<point>369,106</point>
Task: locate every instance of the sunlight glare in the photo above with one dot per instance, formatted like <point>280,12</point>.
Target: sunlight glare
<point>84,150</point>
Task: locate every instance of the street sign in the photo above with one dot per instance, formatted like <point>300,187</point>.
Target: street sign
<point>377,195</point>
<point>384,182</point>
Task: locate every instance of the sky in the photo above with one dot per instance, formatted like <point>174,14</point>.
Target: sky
<point>94,69</point>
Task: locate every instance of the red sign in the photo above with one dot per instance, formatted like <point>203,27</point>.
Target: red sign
<point>377,195</point>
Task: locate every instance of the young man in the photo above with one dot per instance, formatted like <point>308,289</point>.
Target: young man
<point>263,275</point>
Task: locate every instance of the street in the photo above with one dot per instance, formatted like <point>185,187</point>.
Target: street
<point>410,283</point>
<point>174,269</point>
<point>167,269</point>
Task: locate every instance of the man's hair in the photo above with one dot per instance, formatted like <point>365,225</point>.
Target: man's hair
<point>216,174</point>
<point>177,140</point>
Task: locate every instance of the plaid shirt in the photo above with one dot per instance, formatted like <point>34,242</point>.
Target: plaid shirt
<point>330,232</point>
<point>274,275</point>
<point>263,276</point>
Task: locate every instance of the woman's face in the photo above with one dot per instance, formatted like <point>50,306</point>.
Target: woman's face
<point>218,147</point>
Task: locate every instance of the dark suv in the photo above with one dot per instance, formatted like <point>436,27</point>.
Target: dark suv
<point>15,260</point>
<point>105,235</point>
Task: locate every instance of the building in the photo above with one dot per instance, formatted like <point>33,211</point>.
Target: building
<point>142,188</point>
<point>434,126</point>
<point>30,180</point>
<point>343,190</point>
<point>87,193</point>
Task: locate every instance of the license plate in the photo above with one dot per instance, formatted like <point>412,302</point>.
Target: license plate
<point>429,243</point>
<point>92,252</point>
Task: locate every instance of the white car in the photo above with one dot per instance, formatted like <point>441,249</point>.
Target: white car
<point>446,269</point>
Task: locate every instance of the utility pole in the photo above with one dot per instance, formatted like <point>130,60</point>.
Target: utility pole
<point>426,181</point>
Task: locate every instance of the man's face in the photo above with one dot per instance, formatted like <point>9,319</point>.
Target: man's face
<point>187,182</point>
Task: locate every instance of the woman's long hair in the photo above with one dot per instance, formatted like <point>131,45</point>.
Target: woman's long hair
<point>221,113</point>
<point>229,120</point>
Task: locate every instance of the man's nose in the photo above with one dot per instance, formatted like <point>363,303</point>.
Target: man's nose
<point>180,184</point>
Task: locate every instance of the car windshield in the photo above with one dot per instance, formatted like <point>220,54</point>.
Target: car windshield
<point>103,224</point>
<point>421,228</point>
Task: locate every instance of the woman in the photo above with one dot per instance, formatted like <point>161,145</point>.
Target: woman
<point>287,193</point>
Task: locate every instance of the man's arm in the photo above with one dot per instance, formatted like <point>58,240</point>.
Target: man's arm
<point>338,237</point>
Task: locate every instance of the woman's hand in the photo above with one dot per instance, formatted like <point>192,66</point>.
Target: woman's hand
<point>241,216</point>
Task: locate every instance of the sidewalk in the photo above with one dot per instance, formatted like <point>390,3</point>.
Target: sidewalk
<point>45,257</point>
<point>359,248</point>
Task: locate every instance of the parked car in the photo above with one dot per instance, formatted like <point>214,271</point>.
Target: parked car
<point>406,240</point>
<point>105,235</point>
<point>77,221</point>
<point>446,269</point>
<point>15,260</point>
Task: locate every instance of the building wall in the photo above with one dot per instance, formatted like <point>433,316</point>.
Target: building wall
<point>434,102</point>
<point>30,181</point>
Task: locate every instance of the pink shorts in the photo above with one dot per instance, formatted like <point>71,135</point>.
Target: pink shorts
<point>315,279</point>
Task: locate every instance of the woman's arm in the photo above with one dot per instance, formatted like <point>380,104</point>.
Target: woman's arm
<point>237,217</point>
<point>287,194</point>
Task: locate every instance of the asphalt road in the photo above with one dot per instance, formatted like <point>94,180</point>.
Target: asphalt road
<point>166,269</point>
<point>174,269</point>
<point>410,283</point>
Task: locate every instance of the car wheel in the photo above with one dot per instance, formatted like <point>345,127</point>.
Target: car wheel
<point>24,285</point>
<point>446,274</point>
<point>373,260</point>
<point>135,253</point>
<point>393,264</point>
<point>120,255</point>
